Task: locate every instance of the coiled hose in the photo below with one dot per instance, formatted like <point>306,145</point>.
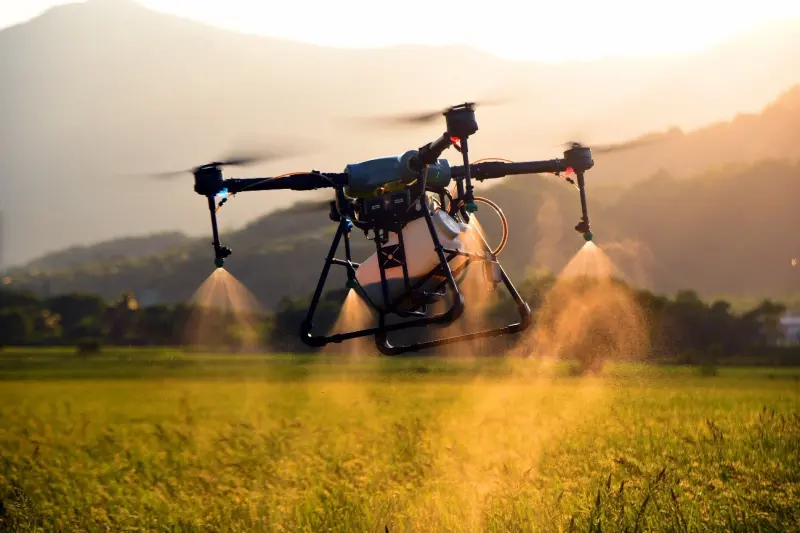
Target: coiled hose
<point>503,220</point>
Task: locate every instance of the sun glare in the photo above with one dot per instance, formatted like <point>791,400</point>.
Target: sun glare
<point>545,31</point>
<point>542,31</point>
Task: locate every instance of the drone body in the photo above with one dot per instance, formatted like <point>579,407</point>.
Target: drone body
<point>421,230</point>
<point>414,260</point>
<point>368,178</point>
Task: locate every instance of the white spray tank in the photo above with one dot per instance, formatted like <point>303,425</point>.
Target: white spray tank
<point>420,255</point>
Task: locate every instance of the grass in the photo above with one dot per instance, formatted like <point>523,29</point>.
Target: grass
<point>166,441</point>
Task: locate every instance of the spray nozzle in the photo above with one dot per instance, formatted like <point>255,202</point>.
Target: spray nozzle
<point>583,227</point>
<point>221,253</point>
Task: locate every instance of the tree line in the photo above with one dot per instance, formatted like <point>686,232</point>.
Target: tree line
<point>593,316</point>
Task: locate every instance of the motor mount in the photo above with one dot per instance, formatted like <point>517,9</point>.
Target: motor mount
<point>208,180</point>
<point>461,121</point>
<point>579,158</point>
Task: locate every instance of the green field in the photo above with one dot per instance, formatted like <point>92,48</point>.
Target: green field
<point>166,441</point>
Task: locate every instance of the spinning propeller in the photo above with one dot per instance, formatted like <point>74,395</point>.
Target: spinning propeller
<point>240,158</point>
<point>428,117</point>
<point>618,147</point>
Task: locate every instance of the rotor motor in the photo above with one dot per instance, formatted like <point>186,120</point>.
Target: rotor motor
<point>208,180</point>
<point>461,121</point>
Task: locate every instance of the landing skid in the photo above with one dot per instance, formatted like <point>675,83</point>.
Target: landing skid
<point>413,302</point>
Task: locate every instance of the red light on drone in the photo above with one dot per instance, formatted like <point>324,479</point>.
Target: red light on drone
<point>455,140</point>
<point>570,171</point>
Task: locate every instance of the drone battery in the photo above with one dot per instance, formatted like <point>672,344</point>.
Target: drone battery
<point>375,208</point>
<point>399,202</point>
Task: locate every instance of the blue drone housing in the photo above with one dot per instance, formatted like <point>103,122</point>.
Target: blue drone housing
<point>368,176</point>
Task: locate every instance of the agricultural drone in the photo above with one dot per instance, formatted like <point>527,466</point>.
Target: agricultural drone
<point>420,225</point>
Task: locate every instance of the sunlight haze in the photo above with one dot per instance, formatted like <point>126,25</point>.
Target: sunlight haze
<point>147,86</point>
<point>542,31</point>
<point>399,266</point>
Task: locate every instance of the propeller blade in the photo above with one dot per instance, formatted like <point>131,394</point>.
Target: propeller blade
<point>626,145</point>
<point>240,158</point>
<point>417,118</point>
<point>428,116</point>
<point>244,158</point>
<point>159,175</point>
<point>401,119</point>
<point>608,148</point>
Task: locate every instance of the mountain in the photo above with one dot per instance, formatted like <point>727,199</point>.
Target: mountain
<point>773,133</point>
<point>115,249</point>
<point>97,90</point>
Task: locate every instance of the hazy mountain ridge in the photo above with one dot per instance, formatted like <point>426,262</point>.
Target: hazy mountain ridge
<point>116,249</point>
<point>747,138</point>
<point>103,88</point>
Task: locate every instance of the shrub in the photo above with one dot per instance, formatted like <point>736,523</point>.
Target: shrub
<point>89,346</point>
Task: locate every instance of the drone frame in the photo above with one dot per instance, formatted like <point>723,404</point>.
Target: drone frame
<point>419,312</point>
<point>461,124</point>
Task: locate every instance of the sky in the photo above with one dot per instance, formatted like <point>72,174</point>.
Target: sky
<point>513,29</point>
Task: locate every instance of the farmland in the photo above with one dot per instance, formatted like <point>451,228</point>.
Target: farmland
<point>154,440</point>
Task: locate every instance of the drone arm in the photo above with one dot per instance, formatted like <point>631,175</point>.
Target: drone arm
<point>296,182</point>
<point>498,169</point>
<point>429,154</point>
<point>577,160</point>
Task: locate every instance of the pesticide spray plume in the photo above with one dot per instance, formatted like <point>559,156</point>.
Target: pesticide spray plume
<point>498,431</point>
<point>633,260</point>
<point>480,294</point>
<point>354,315</point>
<point>589,316</point>
<point>225,315</point>
<point>491,435</point>
<point>550,223</point>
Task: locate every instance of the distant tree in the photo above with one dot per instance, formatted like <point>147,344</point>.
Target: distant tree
<point>90,327</point>
<point>17,298</point>
<point>721,328</point>
<point>73,311</point>
<point>684,325</point>
<point>766,316</point>
<point>120,319</point>
<point>155,325</point>
<point>16,326</point>
<point>48,327</point>
<point>292,312</point>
